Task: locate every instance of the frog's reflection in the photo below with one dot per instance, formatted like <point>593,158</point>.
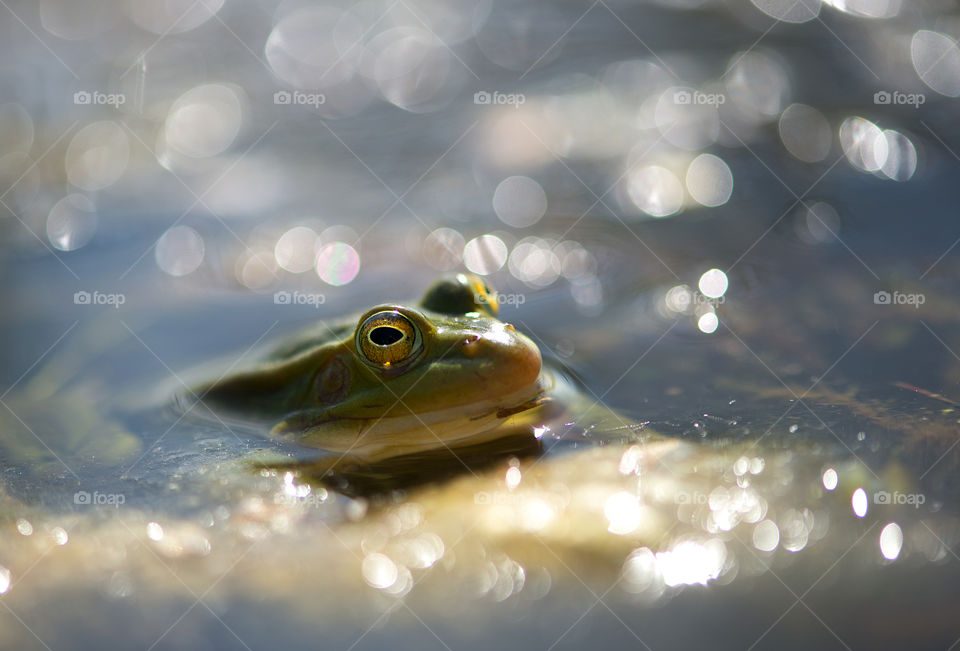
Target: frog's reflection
<point>357,477</point>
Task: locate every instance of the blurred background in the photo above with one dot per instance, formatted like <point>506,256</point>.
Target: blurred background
<point>703,207</point>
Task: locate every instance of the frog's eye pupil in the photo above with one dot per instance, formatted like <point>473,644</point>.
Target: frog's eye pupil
<point>388,338</point>
<point>385,336</point>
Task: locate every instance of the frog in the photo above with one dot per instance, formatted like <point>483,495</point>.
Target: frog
<point>403,379</point>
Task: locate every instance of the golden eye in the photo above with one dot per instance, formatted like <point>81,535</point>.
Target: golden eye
<point>388,338</point>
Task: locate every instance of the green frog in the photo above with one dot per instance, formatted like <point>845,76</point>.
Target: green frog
<point>401,380</point>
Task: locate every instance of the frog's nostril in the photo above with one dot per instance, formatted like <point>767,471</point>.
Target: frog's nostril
<point>470,345</point>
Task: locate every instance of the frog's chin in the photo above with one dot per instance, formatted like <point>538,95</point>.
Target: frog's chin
<point>480,421</point>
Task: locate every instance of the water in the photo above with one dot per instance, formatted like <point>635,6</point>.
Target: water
<point>182,183</point>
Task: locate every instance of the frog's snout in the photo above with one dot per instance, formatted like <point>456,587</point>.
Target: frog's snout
<point>514,358</point>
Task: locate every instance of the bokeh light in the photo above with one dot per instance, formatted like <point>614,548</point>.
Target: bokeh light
<point>205,120</point>
<point>709,180</point>
<point>936,59</point>
<point>179,251</point>
<point>172,16</point>
<point>485,254</point>
<point>805,133</point>
<point>519,201</point>
<point>655,190</point>
<point>713,283</point>
<point>296,249</point>
<point>534,262</point>
<point>97,156</point>
<point>443,248</point>
<point>789,11</point>
<point>766,536</point>
<point>338,263</point>
<point>891,541</point>
<point>864,144</point>
<point>859,502</point>
<point>72,222</point>
<point>708,322</point>
<point>830,479</point>
<point>315,47</point>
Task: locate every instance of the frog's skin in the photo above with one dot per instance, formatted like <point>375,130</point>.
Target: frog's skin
<point>398,379</point>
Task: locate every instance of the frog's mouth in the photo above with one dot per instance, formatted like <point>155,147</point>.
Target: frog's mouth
<point>417,431</point>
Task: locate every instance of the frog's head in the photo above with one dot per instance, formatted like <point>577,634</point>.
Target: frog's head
<point>420,376</point>
<point>405,377</point>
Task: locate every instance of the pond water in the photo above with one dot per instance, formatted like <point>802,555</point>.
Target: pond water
<point>730,222</point>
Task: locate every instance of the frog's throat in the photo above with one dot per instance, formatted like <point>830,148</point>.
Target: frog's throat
<point>412,432</point>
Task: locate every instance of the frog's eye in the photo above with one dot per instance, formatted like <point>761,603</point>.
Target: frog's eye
<point>388,338</point>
